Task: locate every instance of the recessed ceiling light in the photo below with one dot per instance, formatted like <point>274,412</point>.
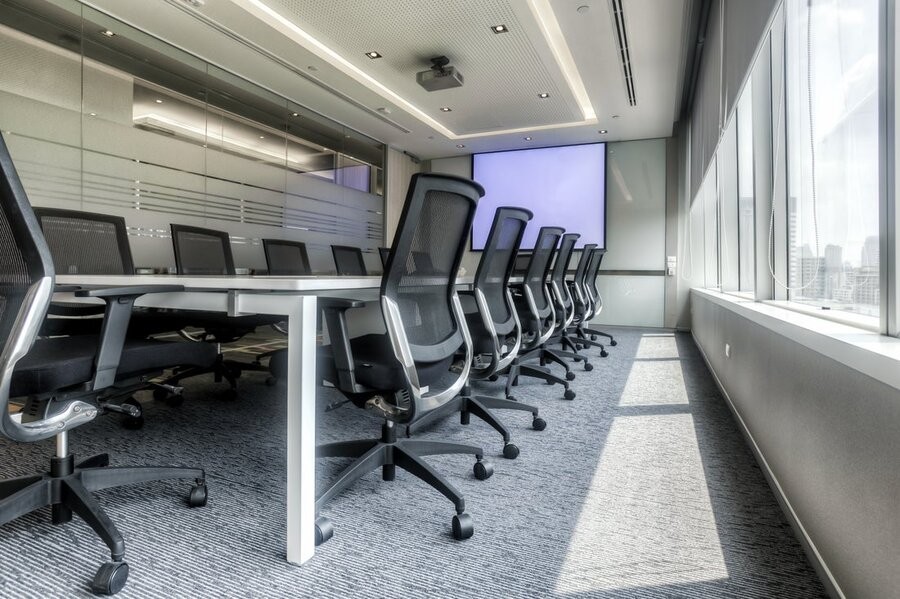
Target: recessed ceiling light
<point>295,114</point>
<point>373,55</point>
<point>262,136</point>
<point>107,33</point>
<point>603,132</point>
<point>499,28</point>
<point>615,116</point>
<point>446,109</point>
<point>158,101</point>
<point>460,145</point>
<point>93,114</point>
<point>543,95</point>
<point>527,138</point>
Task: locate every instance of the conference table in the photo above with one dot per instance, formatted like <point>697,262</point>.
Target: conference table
<point>293,298</point>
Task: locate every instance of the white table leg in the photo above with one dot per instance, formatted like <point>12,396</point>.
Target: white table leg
<point>301,430</point>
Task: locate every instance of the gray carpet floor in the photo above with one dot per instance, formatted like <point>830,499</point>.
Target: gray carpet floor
<point>640,487</point>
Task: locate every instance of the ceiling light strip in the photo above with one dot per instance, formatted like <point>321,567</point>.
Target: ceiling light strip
<point>543,13</point>
<point>263,12</point>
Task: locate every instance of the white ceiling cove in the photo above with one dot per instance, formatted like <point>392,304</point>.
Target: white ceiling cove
<point>313,52</point>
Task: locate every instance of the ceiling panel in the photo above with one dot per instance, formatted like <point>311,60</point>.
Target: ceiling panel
<point>504,73</point>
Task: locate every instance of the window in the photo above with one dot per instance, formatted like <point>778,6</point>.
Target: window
<point>833,179</point>
<point>726,169</point>
<point>710,198</point>
<point>745,196</point>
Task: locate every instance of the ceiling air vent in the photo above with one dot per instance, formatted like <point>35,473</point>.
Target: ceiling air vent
<point>624,53</point>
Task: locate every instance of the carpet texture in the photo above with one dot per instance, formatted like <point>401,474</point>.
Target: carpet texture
<point>640,487</point>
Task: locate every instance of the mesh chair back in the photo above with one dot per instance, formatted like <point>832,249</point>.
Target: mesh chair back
<point>201,251</point>
<point>286,258</point>
<point>421,272</point>
<point>538,267</point>
<point>563,257</point>
<point>497,263</point>
<point>26,287</point>
<point>384,254</point>
<point>349,261</point>
<point>86,242</point>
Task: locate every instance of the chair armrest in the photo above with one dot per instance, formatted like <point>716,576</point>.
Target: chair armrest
<point>128,291</point>
<point>334,310</point>
<point>119,305</point>
<point>65,288</point>
<point>339,303</point>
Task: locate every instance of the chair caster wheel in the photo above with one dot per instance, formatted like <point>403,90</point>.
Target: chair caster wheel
<point>324,530</point>
<point>493,378</point>
<point>570,376</point>
<point>160,394</point>
<point>510,451</point>
<point>110,578</point>
<point>130,422</point>
<point>593,337</point>
<point>569,394</point>
<point>538,423</point>
<point>483,470</point>
<point>588,366</point>
<point>198,495</point>
<point>463,526</point>
<point>612,342</point>
<point>271,381</point>
<point>604,354</point>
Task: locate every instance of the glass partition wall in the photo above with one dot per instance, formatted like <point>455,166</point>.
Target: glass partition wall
<point>102,117</point>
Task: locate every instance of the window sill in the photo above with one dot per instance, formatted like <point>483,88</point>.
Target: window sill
<point>867,351</point>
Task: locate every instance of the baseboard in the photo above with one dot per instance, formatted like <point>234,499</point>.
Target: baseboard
<point>831,585</point>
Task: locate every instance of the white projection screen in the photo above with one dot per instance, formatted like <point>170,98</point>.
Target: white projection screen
<point>563,186</point>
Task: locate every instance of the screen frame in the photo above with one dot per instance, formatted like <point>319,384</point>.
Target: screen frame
<point>527,251</point>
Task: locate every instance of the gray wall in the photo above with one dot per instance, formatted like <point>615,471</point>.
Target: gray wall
<point>829,437</point>
<point>633,290</point>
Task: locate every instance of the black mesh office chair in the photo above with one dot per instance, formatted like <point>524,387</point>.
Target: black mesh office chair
<point>286,258</point>
<point>64,382</point>
<point>200,251</point>
<point>565,307</point>
<point>582,303</point>
<point>384,253</point>
<point>494,327</point>
<point>404,374</point>
<point>534,305</point>
<point>596,302</point>
<point>97,244</point>
<point>348,261</point>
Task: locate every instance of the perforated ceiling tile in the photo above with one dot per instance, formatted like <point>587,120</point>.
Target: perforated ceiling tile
<point>501,71</point>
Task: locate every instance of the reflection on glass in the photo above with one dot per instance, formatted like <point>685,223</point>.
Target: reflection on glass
<point>832,112</point>
<point>746,243</point>
<point>710,197</point>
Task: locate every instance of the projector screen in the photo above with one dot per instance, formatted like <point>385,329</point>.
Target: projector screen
<point>563,186</point>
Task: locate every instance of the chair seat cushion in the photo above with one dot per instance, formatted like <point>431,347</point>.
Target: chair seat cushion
<point>65,361</point>
<point>374,362</point>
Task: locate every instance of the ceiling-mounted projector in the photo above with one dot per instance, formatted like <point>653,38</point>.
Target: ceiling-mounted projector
<point>439,76</point>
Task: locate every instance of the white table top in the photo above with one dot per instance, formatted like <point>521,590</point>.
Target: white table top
<point>240,282</point>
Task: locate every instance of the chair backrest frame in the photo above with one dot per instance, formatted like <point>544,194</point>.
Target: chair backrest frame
<point>301,268</point>
<point>26,290</point>
<point>180,258</point>
<point>340,265</point>
<point>489,268</point>
<point>558,279</point>
<point>63,253</point>
<point>397,267</point>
